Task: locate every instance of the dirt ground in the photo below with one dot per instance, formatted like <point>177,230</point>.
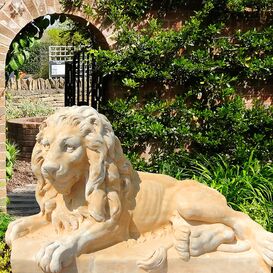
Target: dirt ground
<point>22,176</point>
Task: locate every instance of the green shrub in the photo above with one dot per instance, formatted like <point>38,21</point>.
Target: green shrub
<point>5,219</point>
<point>178,132</point>
<point>11,155</point>
<point>228,147</point>
<point>37,63</point>
<point>27,108</point>
<point>4,249</point>
<point>5,258</point>
<point>247,187</point>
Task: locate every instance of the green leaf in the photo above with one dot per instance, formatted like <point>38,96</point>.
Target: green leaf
<point>23,43</point>
<point>27,54</point>
<point>43,23</point>
<point>32,30</point>
<point>13,64</point>
<point>15,46</point>
<point>20,58</point>
<point>31,41</point>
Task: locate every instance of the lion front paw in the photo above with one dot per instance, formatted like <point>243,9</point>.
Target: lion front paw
<point>55,256</point>
<point>16,229</point>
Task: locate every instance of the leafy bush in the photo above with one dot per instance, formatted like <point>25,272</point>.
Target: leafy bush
<point>37,63</point>
<point>11,155</point>
<point>176,132</point>
<point>5,258</point>
<point>247,187</point>
<point>202,56</point>
<point>4,249</point>
<point>230,148</point>
<point>5,219</point>
<point>27,108</point>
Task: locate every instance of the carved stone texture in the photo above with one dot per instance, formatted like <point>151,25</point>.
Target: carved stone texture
<point>94,206</point>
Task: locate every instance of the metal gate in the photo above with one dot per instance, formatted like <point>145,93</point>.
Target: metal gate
<point>83,82</point>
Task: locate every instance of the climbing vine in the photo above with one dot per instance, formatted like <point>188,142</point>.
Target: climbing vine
<point>206,55</point>
<point>200,56</point>
<point>20,47</point>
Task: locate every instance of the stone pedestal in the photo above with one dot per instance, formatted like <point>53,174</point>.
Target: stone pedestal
<point>122,258</point>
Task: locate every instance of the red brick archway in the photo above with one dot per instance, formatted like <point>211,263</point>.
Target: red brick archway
<point>14,15</point>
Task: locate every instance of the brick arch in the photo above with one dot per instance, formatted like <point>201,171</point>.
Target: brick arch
<point>14,15</point>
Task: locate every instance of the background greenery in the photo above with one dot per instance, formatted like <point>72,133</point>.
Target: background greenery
<point>30,49</point>
<point>228,147</point>
<point>205,132</point>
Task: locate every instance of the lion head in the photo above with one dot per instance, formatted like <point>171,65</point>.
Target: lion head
<point>78,154</point>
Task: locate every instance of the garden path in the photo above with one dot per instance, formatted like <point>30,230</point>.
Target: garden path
<point>21,191</point>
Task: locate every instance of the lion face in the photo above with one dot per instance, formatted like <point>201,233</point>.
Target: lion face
<point>65,161</point>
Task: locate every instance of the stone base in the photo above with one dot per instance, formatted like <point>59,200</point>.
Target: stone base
<point>122,258</point>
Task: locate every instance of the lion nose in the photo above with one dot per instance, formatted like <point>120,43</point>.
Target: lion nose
<point>50,169</point>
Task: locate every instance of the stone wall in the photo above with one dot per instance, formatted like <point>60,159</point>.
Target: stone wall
<point>25,86</point>
<point>49,91</point>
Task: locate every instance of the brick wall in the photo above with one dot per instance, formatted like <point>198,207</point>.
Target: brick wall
<point>23,132</point>
<point>14,15</point>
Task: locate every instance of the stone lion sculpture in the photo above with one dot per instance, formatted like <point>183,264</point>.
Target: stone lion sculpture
<point>88,191</point>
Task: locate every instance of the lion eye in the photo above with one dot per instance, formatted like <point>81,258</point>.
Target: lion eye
<point>69,148</point>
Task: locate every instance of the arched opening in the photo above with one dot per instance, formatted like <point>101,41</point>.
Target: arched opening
<point>19,47</point>
<point>99,34</point>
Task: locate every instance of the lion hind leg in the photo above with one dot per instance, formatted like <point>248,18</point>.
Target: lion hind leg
<point>181,237</point>
<point>205,206</point>
<point>206,238</point>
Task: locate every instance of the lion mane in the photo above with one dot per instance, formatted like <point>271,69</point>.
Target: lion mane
<point>109,177</point>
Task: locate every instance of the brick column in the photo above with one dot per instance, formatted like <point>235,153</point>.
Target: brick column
<point>7,31</point>
<point>3,193</point>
